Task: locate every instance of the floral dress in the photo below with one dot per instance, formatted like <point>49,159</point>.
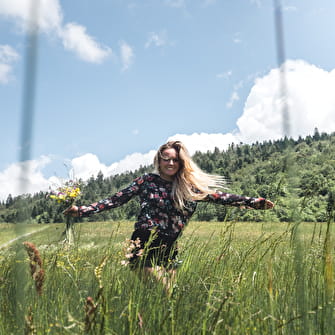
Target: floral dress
<point>157,210</point>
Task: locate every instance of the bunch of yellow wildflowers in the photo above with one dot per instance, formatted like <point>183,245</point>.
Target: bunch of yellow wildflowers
<point>67,194</point>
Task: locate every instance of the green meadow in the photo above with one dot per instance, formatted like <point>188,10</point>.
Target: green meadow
<point>234,278</point>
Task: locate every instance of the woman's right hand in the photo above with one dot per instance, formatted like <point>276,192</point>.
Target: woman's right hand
<point>72,211</point>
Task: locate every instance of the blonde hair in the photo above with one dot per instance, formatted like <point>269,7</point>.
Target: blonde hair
<point>190,182</point>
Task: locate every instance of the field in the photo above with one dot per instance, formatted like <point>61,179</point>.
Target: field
<point>235,278</point>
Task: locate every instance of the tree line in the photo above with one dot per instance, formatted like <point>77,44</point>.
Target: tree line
<point>297,174</point>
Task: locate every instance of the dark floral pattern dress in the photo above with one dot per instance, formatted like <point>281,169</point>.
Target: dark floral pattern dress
<point>159,223</point>
<point>157,210</point>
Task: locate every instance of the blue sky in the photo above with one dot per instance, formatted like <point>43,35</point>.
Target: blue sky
<point>117,78</point>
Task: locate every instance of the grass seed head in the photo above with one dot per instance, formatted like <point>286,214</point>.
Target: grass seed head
<point>36,269</point>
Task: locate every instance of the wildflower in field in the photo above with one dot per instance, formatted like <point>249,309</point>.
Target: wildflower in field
<point>36,269</point>
<point>132,250</point>
<point>98,271</point>
<point>140,320</point>
<point>90,313</point>
<point>30,329</point>
<point>67,194</point>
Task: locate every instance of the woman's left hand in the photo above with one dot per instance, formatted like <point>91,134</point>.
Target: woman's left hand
<point>262,203</point>
<point>72,211</point>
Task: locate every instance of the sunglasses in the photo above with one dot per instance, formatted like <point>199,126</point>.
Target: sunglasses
<point>175,160</point>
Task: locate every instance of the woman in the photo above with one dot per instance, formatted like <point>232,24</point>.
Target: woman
<point>168,199</point>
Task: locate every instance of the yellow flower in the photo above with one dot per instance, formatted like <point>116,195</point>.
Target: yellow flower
<point>66,194</point>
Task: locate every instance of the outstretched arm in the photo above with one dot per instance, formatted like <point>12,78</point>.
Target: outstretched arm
<point>239,200</point>
<point>115,200</point>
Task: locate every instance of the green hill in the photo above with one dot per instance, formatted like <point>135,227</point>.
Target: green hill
<point>298,175</point>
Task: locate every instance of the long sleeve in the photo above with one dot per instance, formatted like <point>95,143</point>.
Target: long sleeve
<point>235,200</point>
<point>115,200</point>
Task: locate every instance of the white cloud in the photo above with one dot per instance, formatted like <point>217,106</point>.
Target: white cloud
<point>225,75</point>
<point>133,162</point>
<point>258,3</point>
<point>237,38</point>
<point>89,165</point>
<point>5,71</point>
<point>310,97</point>
<point>127,55</point>
<point>234,97</point>
<point>48,18</point>
<point>156,39</point>
<point>311,104</point>
<point>86,166</point>
<point>14,182</point>
<point>76,39</point>
<point>175,3</point>
<point>7,56</point>
<point>207,3</point>
<point>290,8</point>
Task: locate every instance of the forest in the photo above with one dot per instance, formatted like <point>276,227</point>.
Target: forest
<point>297,174</point>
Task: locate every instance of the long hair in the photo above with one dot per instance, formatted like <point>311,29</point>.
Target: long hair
<point>190,182</point>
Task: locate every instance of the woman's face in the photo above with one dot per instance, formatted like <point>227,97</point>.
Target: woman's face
<point>169,164</point>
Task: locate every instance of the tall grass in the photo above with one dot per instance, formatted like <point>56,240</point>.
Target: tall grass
<point>234,279</point>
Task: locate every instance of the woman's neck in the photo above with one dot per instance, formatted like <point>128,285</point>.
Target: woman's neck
<point>166,178</point>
